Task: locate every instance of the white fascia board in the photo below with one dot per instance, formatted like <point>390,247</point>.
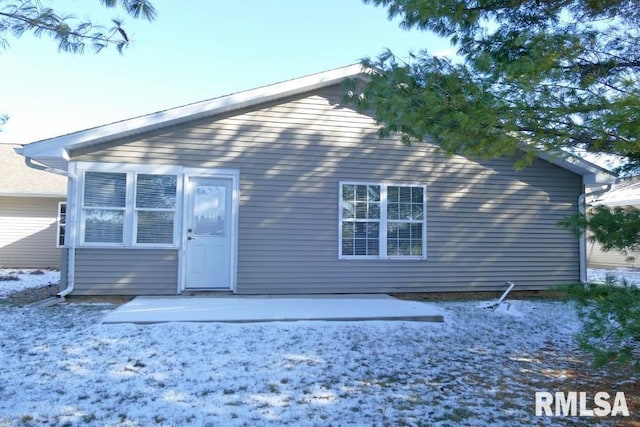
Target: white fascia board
<point>58,147</point>
<point>32,194</point>
<point>591,174</point>
<point>598,178</point>
<point>619,202</point>
<point>54,152</point>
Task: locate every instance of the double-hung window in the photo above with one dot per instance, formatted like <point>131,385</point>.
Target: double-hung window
<point>382,221</point>
<point>129,208</point>
<point>155,208</point>
<point>105,197</point>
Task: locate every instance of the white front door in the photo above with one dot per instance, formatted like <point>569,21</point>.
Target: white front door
<point>210,233</point>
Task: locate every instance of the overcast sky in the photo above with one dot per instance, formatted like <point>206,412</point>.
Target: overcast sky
<point>190,53</point>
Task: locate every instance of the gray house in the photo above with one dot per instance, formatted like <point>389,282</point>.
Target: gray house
<point>285,189</point>
<point>30,204</point>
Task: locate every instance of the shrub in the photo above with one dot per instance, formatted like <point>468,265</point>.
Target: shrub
<point>611,321</point>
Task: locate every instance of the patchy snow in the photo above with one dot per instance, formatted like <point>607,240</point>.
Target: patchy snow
<point>26,279</point>
<point>61,366</point>
<point>596,275</point>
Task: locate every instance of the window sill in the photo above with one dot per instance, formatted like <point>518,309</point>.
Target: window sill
<point>105,246</point>
<point>389,258</point>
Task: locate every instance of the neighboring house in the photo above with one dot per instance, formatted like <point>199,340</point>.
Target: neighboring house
<point>284,189</point>
<point>29,206</point>
<point>624,193</point>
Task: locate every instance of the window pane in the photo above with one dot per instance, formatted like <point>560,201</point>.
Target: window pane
<point>373,246</point>
<point>348,192</point>
<point>416,232</point>
<point>103,189</point>
<point>348,230</point>
<point>347,247</point>
<point>374,211</point>
<point>361,210</point>
<point>405,194</point>
<point>405,211</point>
<point>103,226</point>
<point>392,230</point>
<point>348,210</point>
<point>62,223</point>
<point>417,195</point>
<point>404,247</point>
<point>61,235</point>
<point>392,247</point>
<point>362,193</point>
<point>404,230</point>
<point>156,191</point>
<point>374,193</point>
<point>155,227</point>
<point>416,248</point>
<point>209,210</point>
<point>417,211</point>
<point>373,230</point>
<point>393,210</point>
<point>392,194</point>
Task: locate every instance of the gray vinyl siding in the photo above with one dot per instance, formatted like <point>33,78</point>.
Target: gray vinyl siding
<point>486,224</point>
<point>28,232</point>
<point>126,272</point>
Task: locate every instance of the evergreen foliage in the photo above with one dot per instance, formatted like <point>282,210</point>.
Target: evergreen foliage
<point>615,228</point>
<point>611,322</point>
<point>531,75</point>
<point>72,34</point>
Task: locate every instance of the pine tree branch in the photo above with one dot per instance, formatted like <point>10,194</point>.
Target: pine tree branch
<point>57,30</point>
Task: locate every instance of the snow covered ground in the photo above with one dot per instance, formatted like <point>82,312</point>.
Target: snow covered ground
<point>25,279</point>
<point>599,275</point>
<point>61,367</point>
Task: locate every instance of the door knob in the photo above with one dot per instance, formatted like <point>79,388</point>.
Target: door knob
<point>191,238</point>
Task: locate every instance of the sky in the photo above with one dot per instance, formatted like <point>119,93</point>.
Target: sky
<point>188,54</point>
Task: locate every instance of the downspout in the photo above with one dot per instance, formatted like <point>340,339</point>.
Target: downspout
<point>71,245</point>
<point>583,236</point>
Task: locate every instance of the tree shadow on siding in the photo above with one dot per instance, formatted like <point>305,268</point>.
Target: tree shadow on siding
<point>485,223</point>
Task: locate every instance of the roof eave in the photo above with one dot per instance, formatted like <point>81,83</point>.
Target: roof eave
<point>44,195</point>
<point>56,150</point>
<point>591,173</point>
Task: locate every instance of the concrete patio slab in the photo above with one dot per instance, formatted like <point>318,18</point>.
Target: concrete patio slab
<point>239,309</point>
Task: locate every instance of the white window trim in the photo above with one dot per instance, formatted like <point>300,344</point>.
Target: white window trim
<point>383,222</point>
<point>132,171</point>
